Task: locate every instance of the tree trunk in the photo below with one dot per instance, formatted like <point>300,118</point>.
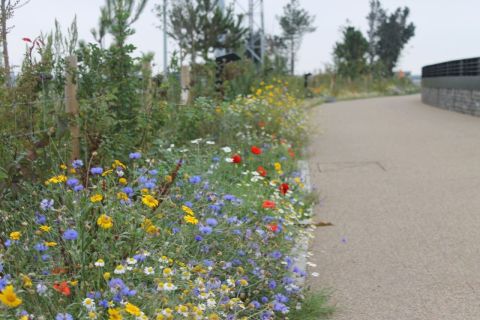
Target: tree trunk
<point>6,61</point>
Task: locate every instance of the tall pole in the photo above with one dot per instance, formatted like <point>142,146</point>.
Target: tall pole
<point>251,24</point>
<point>165,57</point>
<point>262,34</point>
<point>221,52</point>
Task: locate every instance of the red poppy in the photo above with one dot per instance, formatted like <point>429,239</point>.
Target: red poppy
<point>261,170</point>
<point>272,227</point>
<point>62,287</point>
<point>236,158</point>
<point>256,150</point>
<point>268,204</point>
<point>291,153</point>
<point>284,188</point>
<point>26,39</point>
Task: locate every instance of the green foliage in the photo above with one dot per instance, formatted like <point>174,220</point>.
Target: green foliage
<point>200,26</point>
<point>315,306</point>
<point>350,54</point>
<point>295,23</point>
<point>393,33</point>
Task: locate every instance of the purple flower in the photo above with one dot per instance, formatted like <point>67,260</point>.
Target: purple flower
<point>70,234</point>
<point>72,182</point>
<point>46,204</point>
<point>272,284</point>
<point>96,170</point>
<point>40,218</point>
<point>276,254</point>
<point>229,197</point>
<point>212,222</point>
<point>77,164</point>
<point>195,180</point>
<point>205,230</point>
<point>135,155</point>
<point>198,238</point>
<point>78,188</point>
<point>64,316</point>
<point>41,247</point>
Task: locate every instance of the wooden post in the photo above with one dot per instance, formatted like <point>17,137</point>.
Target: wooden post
<point>185,84</point>
<point>72,107</point>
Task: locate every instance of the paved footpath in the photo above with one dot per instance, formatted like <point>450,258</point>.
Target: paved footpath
<point>400,181</point>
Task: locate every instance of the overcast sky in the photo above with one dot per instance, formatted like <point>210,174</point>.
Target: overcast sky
<point>445,29</point>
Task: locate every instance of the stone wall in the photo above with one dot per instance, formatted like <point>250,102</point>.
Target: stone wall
<point>459,100</point>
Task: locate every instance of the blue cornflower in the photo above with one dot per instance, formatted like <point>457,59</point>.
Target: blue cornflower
<point>153,172</point>
<point>3,283</point>
<point>255,304</point>
<point>70,234</point>
<point>276,254</point>
<point>78,188</point>
<point>128,190</point>
<point>195,180</point>
<point>135,155</point>
<point>229,197</point>
<point>46,204</point>
<point>96,170</point>
<point>205,229</point>
<point>116,285</point>
<point>198,238</point>
<point>40,247</point>
<point>77,164</point>
<point>64,316</point>
<point>212,222</point>
<point>280,307</point>
<point>72,182</point>
<point>272,284</point>
<point>40,218</point>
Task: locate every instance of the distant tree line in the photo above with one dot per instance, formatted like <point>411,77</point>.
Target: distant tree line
<point>378,53</point>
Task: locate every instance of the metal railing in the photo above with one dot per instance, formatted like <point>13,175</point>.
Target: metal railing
<point>456,68</point>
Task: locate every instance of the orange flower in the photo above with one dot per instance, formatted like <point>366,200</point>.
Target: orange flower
<point>62,288</point>
<point>268,204</point>
<point>261,170</point>
<point>256,150</point>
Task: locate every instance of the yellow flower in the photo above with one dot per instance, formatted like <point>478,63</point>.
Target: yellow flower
<point>187,210</point>
<point>15,235</point>
<point>105,222</point>
<point>56,179</point>
<point>92,315</point>
<point>114,314</point>
<point>72,170</point>
<point>122,196</point>
<point>243,282</point>
<point>45,228</point>
<point>190,219</point>
<point>118,163</point>
<point>74,283</point>
<point>278,166</point>
<point>107,172</point>
<point>106,275</point>
<point>63,166</point>
<point>132,309</point>
<point>152,229</point>
<point>122,181</point>
<point>96,198</point>
<point>50,244</point>
<point>9,298</point>
<point>150,201</point>
<point>168,178</point>
<point>27,282</point>
<point>144,191</point>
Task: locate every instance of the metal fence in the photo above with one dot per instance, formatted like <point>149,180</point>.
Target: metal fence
<point>456,68</point>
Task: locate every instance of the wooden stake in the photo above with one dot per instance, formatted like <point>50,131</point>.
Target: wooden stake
<point>72,106</point>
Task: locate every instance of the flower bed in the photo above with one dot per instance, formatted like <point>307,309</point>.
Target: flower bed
<point>198,232</point>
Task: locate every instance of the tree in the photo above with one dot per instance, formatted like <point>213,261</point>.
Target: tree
<point>200,26</point>
<point>374,17</point>
<point>393,33</point>
<point>350,54</point>
<point>295,23</point>
<point>7,10</point>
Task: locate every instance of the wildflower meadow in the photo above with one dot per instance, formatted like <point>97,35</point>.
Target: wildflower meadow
<point>203,230</point>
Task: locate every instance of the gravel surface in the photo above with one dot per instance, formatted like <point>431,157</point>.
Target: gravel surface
<point>400,181</point>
